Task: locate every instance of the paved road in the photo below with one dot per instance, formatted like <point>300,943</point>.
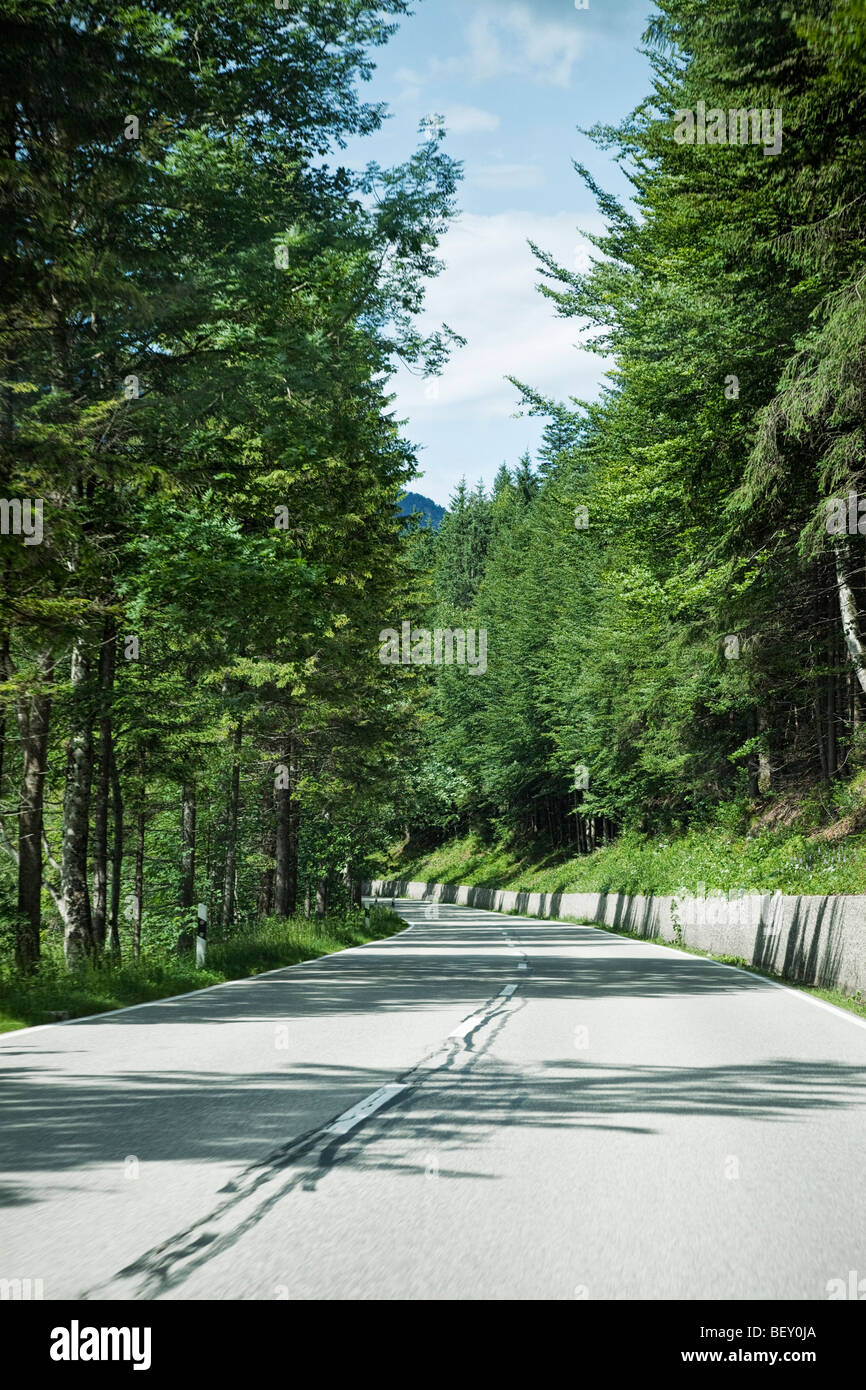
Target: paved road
<point>535,1110</point>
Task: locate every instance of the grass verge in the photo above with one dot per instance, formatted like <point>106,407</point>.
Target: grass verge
<point>761,861</point>
<point>26,1000</point>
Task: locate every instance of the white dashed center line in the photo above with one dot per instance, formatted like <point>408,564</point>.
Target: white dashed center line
<point>365,1107</point>
<point>467,1025</point>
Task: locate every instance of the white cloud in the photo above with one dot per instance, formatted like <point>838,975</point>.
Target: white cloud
<point>488,293</point>
<point>469,120</point>
<point>513,39</point>
<point>411,83</point>
<point>501,176</point>
<point>410,77</point>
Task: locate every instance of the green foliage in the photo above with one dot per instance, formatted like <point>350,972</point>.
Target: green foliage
<point>188,662</point>
<point>203,310</point>
<point>786,860</point>
<point>686,645</point>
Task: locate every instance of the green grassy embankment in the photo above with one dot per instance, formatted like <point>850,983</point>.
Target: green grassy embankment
<point>792,861</point>
<point>788,859</point>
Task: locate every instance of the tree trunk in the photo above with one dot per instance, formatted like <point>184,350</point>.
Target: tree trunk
<point>35,711</point>
<point>321,896</point>
<point>294,825</point>
<point>4,676</point>
<point>849,610</point>
<point>116,857</point>
<point>832,756</point>
<point>752,760</point>
<point>186,892</point>
<point>138,889</point>
<point>103,786</point>
<point>282,859</point>
<point>217,859</point>
<point>228,910</point>
<point>819,731</point>
<point>765,776</point>
<point>76,815</point>
<point>286,848</point>
<point>269,847</point>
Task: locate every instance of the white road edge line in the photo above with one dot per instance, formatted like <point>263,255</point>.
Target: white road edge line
<point>722,965</point>
<point>19,1034</point>
<point>669,950</point>
<point>365,1107</point>
<point>800,993</point>
<point>107,1014</point>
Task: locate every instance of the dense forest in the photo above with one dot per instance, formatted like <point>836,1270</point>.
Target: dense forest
<point>200,314</point>
<point>674,595</point>
<point>202,471</point>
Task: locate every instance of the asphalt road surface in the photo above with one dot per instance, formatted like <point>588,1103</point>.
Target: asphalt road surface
<point>483,1106</point>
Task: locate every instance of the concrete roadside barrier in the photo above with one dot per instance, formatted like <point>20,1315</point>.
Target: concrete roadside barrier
<point>812,940</point>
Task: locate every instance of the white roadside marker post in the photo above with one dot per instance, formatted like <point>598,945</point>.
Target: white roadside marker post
<point>201,937</point>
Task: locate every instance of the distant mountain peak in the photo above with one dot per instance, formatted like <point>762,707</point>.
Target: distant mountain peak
<point>416,502</point>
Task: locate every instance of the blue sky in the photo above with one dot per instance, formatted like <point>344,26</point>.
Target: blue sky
<point>514,80</point>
